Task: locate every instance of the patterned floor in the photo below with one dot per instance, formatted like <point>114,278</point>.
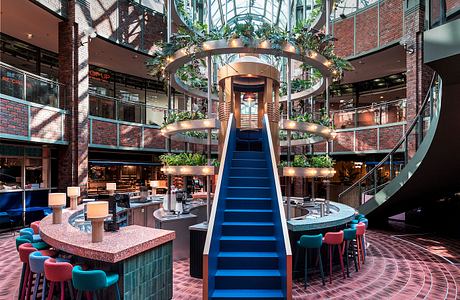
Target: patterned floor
<point>406,266</point>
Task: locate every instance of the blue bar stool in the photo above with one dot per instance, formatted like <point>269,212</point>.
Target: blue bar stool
<point>37,267</point>
<point>311,242</point>
<point>30,232</point>
<point>349,235</point>
<point>92,281</point>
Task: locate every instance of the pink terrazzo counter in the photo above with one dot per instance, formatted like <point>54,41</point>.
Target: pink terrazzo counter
<point>116,246</point>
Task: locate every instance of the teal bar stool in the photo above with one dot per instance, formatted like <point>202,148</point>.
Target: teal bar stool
<point>27,239</point>
<point>30,232</point>
<point>93,280</point>
<point>349,235</point>
<point>311,242</point>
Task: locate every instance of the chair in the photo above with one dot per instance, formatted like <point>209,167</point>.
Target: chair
<point>349,235</point>
<point>310,242</point>
<point>334,239</point>
<point>35,226</point>
<point>57,272</point>
<point>92,281</point>
<point>30,232</point>
<point>28,239</point>
<point>360,231</point>
<point>37,267</point>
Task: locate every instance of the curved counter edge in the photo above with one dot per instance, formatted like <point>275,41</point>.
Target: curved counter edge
<point>346,214</point>
<point>116,246</point>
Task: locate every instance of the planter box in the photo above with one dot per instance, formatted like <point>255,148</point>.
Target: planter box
<point>308,172</point>
<point>190,170</point>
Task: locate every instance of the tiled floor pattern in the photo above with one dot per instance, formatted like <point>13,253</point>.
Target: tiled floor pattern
<point>397,267</point>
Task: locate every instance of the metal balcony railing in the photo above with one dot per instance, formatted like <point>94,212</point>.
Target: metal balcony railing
<point>26,86</point>
<point>388,168</point>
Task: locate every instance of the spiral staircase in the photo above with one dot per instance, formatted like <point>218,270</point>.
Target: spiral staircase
<point>429,146</point>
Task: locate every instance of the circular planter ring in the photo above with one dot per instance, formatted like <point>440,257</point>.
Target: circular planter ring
<point>306,127</point>
<point>310,141</point>
<point>180,137</point>
<point>219,47</point>
<point>308,172</point>
<point>190,170</point>
<point>189,125</point>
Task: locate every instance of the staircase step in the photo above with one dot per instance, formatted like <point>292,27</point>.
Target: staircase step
<point>246,243</point>
<point>249,191</point>
<point>248,202</point>
<point>245,162</point>
<point>248,215</point>
<point>248,278</point>
<point>247,294</point>
<point>243,180</point>
<point>249,154</point>
<point>248,228</point>
<point>247,260</point>
<point>247,171</point>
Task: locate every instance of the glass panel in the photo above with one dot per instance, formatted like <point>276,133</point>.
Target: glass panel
<point>12,82</point>
<point>41,91</point>
<point>10,173</point>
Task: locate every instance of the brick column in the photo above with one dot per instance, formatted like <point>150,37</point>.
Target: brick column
<point>73,72</point>
<point>418,75</point>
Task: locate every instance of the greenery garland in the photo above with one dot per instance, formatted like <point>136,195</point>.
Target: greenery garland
<point>314,161</point>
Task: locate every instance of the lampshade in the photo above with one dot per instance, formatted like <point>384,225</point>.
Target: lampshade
<point>154,183</point>
<point>56,199</point>
<point>97,209</point>
<point>111,186</point>
<point>73,191</point>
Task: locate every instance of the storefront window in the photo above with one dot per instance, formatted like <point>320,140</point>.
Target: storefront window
<point>10,173</point>
<point>19,164</point>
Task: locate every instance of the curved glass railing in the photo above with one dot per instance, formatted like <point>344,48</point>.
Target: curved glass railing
<point>389,167</point>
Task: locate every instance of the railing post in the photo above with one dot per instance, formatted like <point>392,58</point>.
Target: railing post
<point>375,182</point>
<point>419,129</point>
<point>391,166</point>
<point>359,195</point>
<point>442,12</point>
<point>25,86</point>
<point>431,102</point>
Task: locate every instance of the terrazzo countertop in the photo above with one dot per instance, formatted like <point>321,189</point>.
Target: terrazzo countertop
<point>342,215</point>
<point>116,246</point>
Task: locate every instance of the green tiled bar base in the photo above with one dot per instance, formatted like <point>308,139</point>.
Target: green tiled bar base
<point>148,275</point>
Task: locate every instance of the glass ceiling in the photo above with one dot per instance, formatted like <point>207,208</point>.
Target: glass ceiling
<point>236,11</point>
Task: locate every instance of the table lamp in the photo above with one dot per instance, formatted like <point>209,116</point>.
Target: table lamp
<point>154,184</point>
<point>73,192</point>
<point>96,212</point>
<point>111,187</point>
<point>57,201</point>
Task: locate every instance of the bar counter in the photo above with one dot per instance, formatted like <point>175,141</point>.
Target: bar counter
<point>142,256</point>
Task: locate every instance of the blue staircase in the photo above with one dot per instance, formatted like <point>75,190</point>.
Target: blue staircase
<point>249,257</point>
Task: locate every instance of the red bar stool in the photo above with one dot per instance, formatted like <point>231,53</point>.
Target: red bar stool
<point>58,273</point>
<point>24,252</point>
<point>331,239</point>
<point>360,231</point>
<point>35,226</point>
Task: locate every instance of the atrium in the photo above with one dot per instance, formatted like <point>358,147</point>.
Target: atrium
<point>229,149</point>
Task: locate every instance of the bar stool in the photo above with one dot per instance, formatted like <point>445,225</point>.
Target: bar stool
<point>25,250</point>
<point>349,235</point>
<point>30,232</point>
<point>331,239</point>
<point>35,226</point>
<point>58,273</point>
<point>27,239</point>
<point>360,231</point>
<point>37,267</point>
<point>93,280</point>
<point>310,242</point>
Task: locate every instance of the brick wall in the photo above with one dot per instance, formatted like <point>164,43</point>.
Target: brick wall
<point>130,136</point>
<point>45,124</point>
<point>13,118</point>
<point>389,136</point>
<point>153,139</point>
<point>128,24</point>
<point>371,28</point>
<point>343,142</point>
<point>104,133</point>
<point>366,140</point>
<point>391,25</point>
<point>367,30</point>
